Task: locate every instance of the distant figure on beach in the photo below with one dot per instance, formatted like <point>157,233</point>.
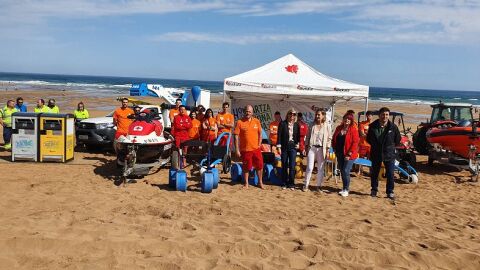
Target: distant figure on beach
<point>41,108</point>
<point>383,136</point>
<point>80,113</point>
<point>317,144</point>
<point>209,127</point>
<point>53,108</point>
<point>363,145</point>
<point>6,122</point>
<point>287,144</point>
<point>225,122</point>
<point>194,131</point>
<point>20,106</point>
<point>248,140</point>
<point>175,111</point>
<point>345,143</point>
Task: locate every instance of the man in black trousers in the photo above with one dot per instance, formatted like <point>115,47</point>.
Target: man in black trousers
<point>288,144</point>
<point>383,136</point>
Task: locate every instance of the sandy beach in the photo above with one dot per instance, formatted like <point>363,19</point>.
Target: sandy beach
<point>73,216</point>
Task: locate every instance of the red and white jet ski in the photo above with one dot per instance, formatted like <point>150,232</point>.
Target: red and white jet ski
<point>146,145</point>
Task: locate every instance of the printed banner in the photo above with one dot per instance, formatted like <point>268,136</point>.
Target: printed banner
<point>265,110</point>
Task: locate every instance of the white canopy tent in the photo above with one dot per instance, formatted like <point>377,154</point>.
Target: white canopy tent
<point>290,80</point>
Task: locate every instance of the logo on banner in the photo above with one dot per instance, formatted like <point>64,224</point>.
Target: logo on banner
<point>292,69</point>
<point>233,83</point>
<point>301,87</point>
<point>341,90</point>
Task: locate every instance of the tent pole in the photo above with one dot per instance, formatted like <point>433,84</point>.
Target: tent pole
<point>366,108</point>
<point>224,95</point>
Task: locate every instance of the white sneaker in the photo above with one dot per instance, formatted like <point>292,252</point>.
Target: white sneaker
<point>343,193</point>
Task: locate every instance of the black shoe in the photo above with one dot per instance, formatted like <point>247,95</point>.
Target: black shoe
<point>391,196</point>
<point>373,194</point>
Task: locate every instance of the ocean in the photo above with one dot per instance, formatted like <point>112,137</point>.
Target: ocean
<point>107,86</point>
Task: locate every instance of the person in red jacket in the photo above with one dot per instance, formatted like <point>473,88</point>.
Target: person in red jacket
<point>181,123</point>
<point>345,143</point>
<point>303,132</point>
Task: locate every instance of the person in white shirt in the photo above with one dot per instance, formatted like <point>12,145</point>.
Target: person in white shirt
<point>317,143</point>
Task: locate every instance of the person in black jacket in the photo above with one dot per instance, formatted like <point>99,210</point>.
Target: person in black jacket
<point>383,136</point>
<point>288,144</point>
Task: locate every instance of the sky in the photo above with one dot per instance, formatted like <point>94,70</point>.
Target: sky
<point>431,44</point>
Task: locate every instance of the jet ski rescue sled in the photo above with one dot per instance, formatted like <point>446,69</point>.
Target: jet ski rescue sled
<point>146,145</point>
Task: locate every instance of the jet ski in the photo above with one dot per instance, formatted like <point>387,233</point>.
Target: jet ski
<point>146,145</point>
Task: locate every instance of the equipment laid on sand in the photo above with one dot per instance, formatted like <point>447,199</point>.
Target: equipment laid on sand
<point>145,146</point>
<point>25,136</point>
<point>57,136</point>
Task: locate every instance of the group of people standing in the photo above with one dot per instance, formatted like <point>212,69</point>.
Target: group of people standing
<point>19,106</point>
<point>377,141</point>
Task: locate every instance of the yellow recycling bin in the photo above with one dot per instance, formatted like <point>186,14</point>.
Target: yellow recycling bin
<point>57,134</point>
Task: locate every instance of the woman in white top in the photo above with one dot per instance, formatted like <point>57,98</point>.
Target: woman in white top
<point>319,137</point>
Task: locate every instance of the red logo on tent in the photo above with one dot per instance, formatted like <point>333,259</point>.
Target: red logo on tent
<point>292,69</point>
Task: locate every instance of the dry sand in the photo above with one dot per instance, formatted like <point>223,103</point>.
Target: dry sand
<point>73,216</point>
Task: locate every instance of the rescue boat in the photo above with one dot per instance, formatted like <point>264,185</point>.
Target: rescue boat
<point>461,139</point>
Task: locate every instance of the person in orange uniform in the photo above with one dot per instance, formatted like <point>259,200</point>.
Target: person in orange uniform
<point>225,122</point>
<point>200,112</point>
<point>175,111</point>
<point>121,120</point>
<point>303,132</point>
<point>194,131</point>
<point>248,140</point>
<point>363,145</point>
<point>352,112</point>
<point>273,128</point>
<point>209,127</point>
<point>181,124</point>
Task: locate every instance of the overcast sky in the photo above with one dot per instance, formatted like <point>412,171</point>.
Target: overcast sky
<point>430,44</point>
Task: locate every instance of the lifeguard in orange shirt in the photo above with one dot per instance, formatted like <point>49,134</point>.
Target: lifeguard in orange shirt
<point>225,122</point>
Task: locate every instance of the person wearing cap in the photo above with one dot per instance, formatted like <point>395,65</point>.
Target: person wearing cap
<point>317,143</point>
<point>288,144</point>
<point>20,106</point>
<point>248,141</point>
<point>383,136</point>
<point>363,145</point>
<point>345,143</point>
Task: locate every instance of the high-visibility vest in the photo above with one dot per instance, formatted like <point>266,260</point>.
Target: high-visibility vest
<point>44,109</point>
<point>81,114</point>
<point>6,114</point>
<point>55,109</point>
